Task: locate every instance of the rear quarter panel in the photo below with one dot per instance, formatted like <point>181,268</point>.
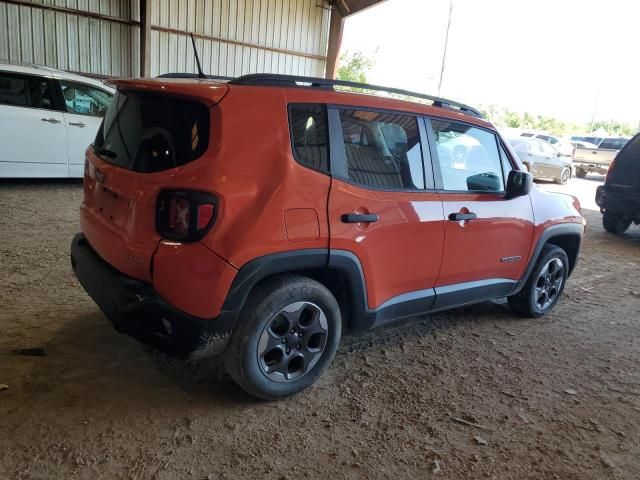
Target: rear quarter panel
<point>251,169</point>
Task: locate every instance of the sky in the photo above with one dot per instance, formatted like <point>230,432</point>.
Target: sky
<point>562,58</point>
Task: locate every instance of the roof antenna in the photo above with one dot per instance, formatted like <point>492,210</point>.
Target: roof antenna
<point>195,51</point>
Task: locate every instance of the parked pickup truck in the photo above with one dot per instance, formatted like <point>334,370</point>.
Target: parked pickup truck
<point>587,160</point>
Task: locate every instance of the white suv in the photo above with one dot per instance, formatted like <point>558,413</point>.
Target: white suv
<point>48,117</point>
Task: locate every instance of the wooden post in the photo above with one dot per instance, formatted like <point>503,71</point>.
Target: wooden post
<point>145,37</point>
<point>335,39</point>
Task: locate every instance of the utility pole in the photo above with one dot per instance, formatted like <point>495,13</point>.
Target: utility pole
<point>595,108</point>
<point>446,42</point>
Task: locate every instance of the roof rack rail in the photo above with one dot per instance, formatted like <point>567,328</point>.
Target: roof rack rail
<point>193,75</point>
<point>268,79</point>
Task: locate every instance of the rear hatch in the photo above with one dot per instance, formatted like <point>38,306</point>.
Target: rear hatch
<point>149,132</point>
<point>624,176</point>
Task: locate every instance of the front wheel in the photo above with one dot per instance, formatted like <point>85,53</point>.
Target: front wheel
<point>287,335</point>
<point>564,177</point>
<point>544,285</point>
<point>615,222</point>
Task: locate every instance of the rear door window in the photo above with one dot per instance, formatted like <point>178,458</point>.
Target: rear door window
<point>382,150</point>
<point>25,91</point>
<point>147,133</point>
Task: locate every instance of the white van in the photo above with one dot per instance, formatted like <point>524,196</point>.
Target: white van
<point>48,118</point>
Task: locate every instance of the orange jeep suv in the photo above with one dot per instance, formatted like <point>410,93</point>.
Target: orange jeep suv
<point>263,217</point>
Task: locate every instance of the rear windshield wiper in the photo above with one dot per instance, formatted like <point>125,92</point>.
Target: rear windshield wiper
<point>105,152</point>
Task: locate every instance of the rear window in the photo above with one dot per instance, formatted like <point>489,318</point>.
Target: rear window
<point>613,143</point>
<point>25,91</point>
<point>148,133</point>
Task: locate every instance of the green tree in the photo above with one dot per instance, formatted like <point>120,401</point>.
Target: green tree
<point>503,117</point>
<point>354,67</point>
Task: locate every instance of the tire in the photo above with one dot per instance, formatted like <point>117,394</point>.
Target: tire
<point>545,284</point>
<point>564,177</point>
<point>580,173</point>
<point>261,356</point>
<point>615,222</point>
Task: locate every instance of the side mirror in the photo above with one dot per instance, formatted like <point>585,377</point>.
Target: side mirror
<point>489,182</point>
<point>519,183</point>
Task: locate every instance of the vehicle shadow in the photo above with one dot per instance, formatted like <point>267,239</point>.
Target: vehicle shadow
<point>46,182</point>
<point>88,362</point>
<point>595,178</point>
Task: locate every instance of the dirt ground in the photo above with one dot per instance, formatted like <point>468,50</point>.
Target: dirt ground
<point>555,398</point>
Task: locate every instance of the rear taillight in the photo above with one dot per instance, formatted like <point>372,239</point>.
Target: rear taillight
<point>185,215</point>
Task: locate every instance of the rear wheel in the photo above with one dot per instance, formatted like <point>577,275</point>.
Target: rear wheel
<point>544,285</point>
<point>581,173</point>
<point>287,335</point>
<point>564,177</point>
<point>615,222</point>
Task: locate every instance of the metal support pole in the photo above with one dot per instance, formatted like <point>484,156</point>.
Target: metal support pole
<point>145,37</point>
<point>446,42</point>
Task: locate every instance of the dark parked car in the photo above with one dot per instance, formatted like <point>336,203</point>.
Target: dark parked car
<point>542,159</point>
<point>619,197</point>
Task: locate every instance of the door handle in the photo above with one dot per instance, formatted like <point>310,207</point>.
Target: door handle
<point>77,124</point>
<point>50,120</point>
<point>359,218</point>
<point>458,217</point>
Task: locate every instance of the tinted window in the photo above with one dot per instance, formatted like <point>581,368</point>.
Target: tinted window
<point>549,139</point>
<point>548,150</point>
<point>25,91</point>
<point>521,145</point>
<point>308,125</point>
<point>536,146</point>
<point>468,157</point>
<point>149,133</point>
<point>526,135</point>
<point>613,143</point>
<point>382,149</point>
<point>84,99</point>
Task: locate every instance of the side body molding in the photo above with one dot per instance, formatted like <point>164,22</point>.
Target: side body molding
<point>349,267</point>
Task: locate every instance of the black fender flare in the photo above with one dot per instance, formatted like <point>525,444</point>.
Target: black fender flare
<point>256,270</point>
<point>561,229</point>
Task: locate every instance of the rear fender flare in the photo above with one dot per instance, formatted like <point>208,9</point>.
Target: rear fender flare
<point>258,269</point>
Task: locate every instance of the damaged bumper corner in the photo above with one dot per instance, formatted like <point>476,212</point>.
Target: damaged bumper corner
<point>135,308</point>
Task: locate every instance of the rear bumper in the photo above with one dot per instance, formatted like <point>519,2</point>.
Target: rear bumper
<point>625,203</point>
<point>135,308</point>
<point>591,166</point>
